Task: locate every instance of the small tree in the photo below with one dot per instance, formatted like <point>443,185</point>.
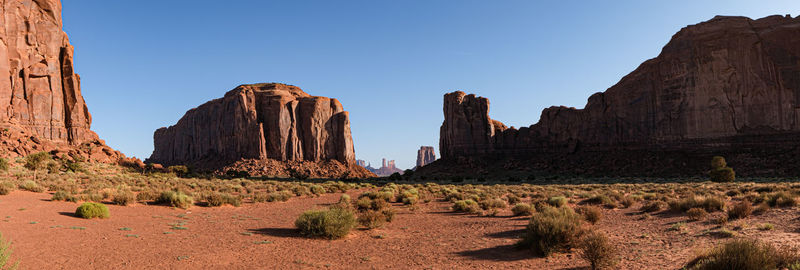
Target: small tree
<point>720,172</point>
<point>36,162</point>
<point>179,170</point>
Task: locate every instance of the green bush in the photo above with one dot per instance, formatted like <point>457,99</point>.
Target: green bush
<point>552,229</point>
<point>333,223</point>
<point>522,209</point>
<point>5,255</point>
<point>598,251</point>
<point>92,210</point>
<point>176,199</point>
<point>744,254</point>
<point>492,204</point>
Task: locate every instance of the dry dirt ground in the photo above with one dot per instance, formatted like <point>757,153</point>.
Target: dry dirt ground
<point>46,235</point>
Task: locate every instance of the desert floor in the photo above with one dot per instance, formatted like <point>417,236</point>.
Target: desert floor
<point>46,235</point>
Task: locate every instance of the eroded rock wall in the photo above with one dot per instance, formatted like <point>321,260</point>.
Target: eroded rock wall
<point>259,121</point>
<point>41,106</point>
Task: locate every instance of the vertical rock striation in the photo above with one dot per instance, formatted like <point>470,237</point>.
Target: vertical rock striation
<point>728,84</point>
<point>259,121</point>
<point>41,106</point>
<point>425,155</point>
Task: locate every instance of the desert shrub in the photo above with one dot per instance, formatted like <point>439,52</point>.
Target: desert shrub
<point>31,186</point>
<point>5,255</point>
<point>317,189</point>
<point>781,199</point>
<point>696,213</point>
<point>62,196</point>
<point>652,206</point>
<point>601,199</point>
<point>408,197</point>
<point>299,174</point>
<point>73,166</point>
<point>344,199</point>
<point>466,206</point>
<point>492,204</point>
<point>743,254</point>
<point>215,199</point>
<point>522,209</point>
<point>742,209</point>
<point>627,202</point>
<point>179,170</point>
<point>4,165</point>
<point>176,199</point>
<point>551,230</point>
<point>53,166</point>
<point>592,214</point>
<point>598,251</point>
<point>371,219</point>
<point>36,162</point>
<point>124,197</point>
<point>147,195</point>
<point>5,188</point>
<point>333,223</point>
<point>513,199</point>
<point>92,210</point>
<point>557,201</point>
<point>710,204</point>
<point>280,196</point>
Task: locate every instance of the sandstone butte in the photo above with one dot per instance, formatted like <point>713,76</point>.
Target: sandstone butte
<point>41,106</point>
<point>266,129</point>
<point>425,155</point>
<point>729,86</point>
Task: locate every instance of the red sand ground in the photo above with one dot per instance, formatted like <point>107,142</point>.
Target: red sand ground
<point>45,235</point>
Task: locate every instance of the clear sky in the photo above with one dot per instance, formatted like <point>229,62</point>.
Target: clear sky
<point>144,63</point>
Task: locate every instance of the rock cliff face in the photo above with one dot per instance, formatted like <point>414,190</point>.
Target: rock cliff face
<point>41,106</point>
<point>425,155</point>
<point>726,85</point>
<point>259,121</point>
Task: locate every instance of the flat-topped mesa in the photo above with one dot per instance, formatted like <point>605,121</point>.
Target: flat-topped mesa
<point>726,84</point>
<point>259,121</point>
<point>41,106</point>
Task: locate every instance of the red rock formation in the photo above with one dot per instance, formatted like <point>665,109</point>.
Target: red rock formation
<point>41,107</point>
<point>724,85</point>
<point>259,121</point>
<point>425,155</point>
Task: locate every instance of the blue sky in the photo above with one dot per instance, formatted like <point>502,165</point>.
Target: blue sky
<point>144,63</point>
